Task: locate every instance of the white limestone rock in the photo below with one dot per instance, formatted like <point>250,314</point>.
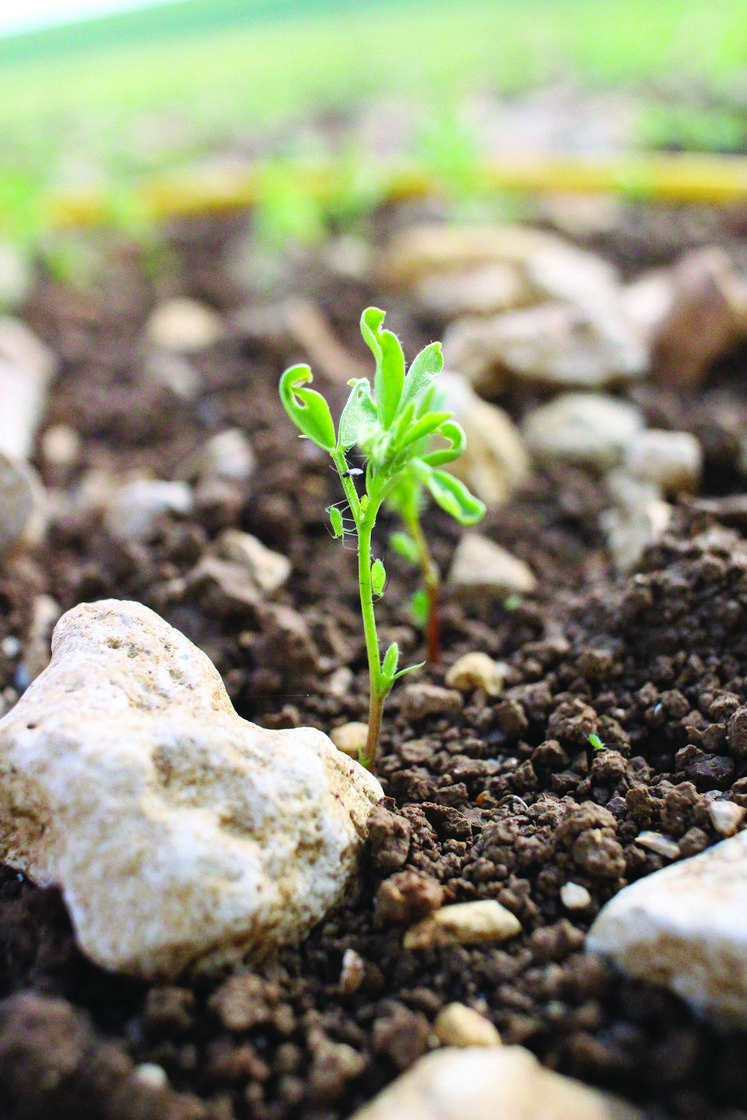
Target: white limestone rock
<point>481,567</point>
<point>268,570</point>
<point>460,1025</point>
<point>134,509</point>
<point>671,460</point>
<point>484,922</point>
<point>180,834</point>
<point>554,344</point>
<point>495,462</point>
<point>588,429</point>
<point>487,1082</point>
<point>184,326</point>
<point>26,368</point>
<point>686,928</point>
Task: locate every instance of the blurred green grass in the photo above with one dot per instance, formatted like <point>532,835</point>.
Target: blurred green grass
<point>123,97</point>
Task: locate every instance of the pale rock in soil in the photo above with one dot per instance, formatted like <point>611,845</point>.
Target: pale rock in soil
<point>553,344</point>
<point>647,300</point>
<point>671,460</point>
<point>133,510</point>
<point>483,290</point>
<point>228,455</point>
<point>418,700</point>
<point>180,834</point>
<point>484,922</point>
<point>481,567</point>
<point>476,670</point>
<point>16,275</point>
<point>183,326</point>
<point>637,519</point>
<point>23,505</point>
<point>495,462</point>
<point>726,817</point>
<point>685,927</point>
<point>574,896</point>
<point>459,1025</point>
<point>350,738</point>
<point>588,429</point>
<point>487,1082</point>
<point>706,317</point>
<point>27,367</point>
<point>267,569</point>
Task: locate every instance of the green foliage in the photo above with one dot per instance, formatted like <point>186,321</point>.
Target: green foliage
<point>393,423</point>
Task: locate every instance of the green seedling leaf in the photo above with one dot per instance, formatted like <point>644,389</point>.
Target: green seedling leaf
<point>454,497</point>
<point>390,662</point>
<point>404,546</point>
<point>378,577</point>
<point>420,607</point>
<point>390,364</point>
<point>407,669</point>
<point>457,441</point>
<point>335,519</point>
<point>428,363</point>
<point>307,409</point>
<point>422,428</point>
<point>358,414</point>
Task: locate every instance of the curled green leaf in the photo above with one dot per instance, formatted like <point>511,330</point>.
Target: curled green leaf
<point>390,364</point>
<point>454,497</point>
<point>358,414</point>
<point>307,409</point>
<point>423,369</point>
<point>457,441</point>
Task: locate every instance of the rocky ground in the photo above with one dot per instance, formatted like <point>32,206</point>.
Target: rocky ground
<point>599,739</point>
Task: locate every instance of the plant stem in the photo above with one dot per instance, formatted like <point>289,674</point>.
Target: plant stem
<point>432,583</point>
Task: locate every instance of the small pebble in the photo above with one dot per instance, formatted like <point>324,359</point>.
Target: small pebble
<point>352,972</point>
<point>476,670</point>
<point>350,738</point>
<point>659,844</point>
<point>726,817</point>
<point>466,923</point>
<point>574,896</point>
<point>459,1025</point>
<point>152,1075</point>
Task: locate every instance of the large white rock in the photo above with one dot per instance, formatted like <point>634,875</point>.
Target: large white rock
<point>590,429</point>
<point>179,833</point>
<point>487,1083</point>
<point>481,568</point>
<point>26,368</point>
<point>686,928</point>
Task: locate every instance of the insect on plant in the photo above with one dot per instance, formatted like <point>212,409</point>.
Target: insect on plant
<point>392,423</point>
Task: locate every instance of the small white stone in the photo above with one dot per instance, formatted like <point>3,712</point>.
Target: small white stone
<point>184,326</point>
<point>22,504</point>
<point>134,508</point>
<point>481,567</point>
<point>269,570</point>
<point>60,445</point>
<point>483,290</point>
<point>495,462</point>
<point>26,368</point>
<point>660,845</point>
<point>459,1025</point>
<point>685,927</point>
<point>152,1075</point>
<point>227,455</point>
<point>574,896</point>
<point>180,834</point>
<point>352,972</point>
<point>467,923</point>
<point>350,738</point>
<point>590,429</point>
<point>726,817</point>
<point>671,460</point>
<point>487,1082</point>
<point>476,670</point>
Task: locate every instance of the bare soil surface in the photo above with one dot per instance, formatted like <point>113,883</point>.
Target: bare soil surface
<point>478,791</point>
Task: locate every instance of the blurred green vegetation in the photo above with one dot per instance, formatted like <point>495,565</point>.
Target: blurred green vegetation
<point>108,102</point>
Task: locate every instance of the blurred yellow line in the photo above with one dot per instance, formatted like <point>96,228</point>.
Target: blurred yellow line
<point>677,177</point>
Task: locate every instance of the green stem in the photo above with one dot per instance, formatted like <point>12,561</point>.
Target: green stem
<point>432,582</point>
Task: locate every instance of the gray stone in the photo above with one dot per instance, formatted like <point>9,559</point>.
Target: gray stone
<point>487,1082</point>
<point>184,326</point>
<point>180,834</point>
<point>686,928</point>
<point>26,369</point>
<point>670,460</point>
<point>134,509</point>
<point>589,429</point>
<point>480,567</point>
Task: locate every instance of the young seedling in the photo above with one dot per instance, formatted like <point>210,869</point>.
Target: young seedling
<point>389,423</point>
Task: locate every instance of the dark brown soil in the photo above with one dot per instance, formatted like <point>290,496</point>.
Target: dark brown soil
<point>497,799</point>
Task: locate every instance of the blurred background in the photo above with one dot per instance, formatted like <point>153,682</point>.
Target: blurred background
<point>315,110</point>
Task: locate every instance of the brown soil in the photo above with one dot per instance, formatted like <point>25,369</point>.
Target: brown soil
<point>501,799</point>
